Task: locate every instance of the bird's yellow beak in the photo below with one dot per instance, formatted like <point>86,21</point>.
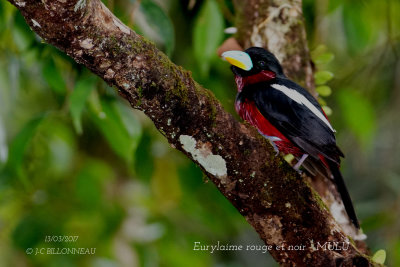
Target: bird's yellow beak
<point>238,59</point>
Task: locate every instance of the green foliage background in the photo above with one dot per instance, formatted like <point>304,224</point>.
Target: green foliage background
<point>76,160</point>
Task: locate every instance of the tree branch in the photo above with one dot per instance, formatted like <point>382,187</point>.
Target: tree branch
<point>274,199</point>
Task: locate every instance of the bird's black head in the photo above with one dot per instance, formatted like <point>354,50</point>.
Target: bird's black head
<point>253,61</point>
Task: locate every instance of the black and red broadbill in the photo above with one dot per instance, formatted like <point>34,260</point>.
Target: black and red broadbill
<point>287,115</point>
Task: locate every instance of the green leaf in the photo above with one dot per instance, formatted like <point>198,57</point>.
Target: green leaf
<point>165,184</point>
<point>56,140</point>
<point>19,143</point>
<point>112,124</point>
<point>208,34</point>
<point>322,77</point>
<point>88,187</point>
<point>53,77</point>
<point>145,167</point>
<point>321,101</point>
<point>156,25</point>
<point>320,55</point>
<point>379,256</point>
<point>358,33</point>
<point>320,49</point>
<point>131,124</point>
<point>333,5</point>
<point>95,104</point>
<point>22,35</point>
<point>30,230</point>
<point>18,148</point>
<point>358,114</point>
<point>2,17</point>
<point>82,90</point>
<point>288,158</point>
<point>324,90</point>
<point>328,111</point>
<point>324,58</point>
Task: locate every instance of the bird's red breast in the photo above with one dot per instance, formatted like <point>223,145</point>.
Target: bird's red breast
<point>248,111</point>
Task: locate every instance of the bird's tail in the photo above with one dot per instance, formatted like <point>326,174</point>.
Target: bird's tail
<point>341,187</point>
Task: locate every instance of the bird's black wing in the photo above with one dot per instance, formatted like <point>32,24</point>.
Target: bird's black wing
<point>291,114</point>
<point>286,105</point>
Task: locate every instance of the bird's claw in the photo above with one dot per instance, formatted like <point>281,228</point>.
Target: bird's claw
<point>300,162</point>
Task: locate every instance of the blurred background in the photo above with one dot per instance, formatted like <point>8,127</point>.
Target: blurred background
<point>76,160</point>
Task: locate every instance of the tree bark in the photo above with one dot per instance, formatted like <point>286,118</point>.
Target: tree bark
<point>278,25</point>
<point>275,200</point>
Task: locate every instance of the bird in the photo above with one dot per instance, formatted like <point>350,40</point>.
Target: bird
<point>288,116</point>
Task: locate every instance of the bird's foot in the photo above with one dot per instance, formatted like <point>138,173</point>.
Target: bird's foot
<point>275,148</point>
<point>272,140</point>
<point>300,162</point>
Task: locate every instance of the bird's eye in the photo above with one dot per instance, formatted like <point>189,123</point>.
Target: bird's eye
<point>262,64</point>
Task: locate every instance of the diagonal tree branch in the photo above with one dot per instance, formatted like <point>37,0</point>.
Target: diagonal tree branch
<point>275,200</point>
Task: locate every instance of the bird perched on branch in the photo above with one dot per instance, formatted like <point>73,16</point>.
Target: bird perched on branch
<point>287,115</point>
